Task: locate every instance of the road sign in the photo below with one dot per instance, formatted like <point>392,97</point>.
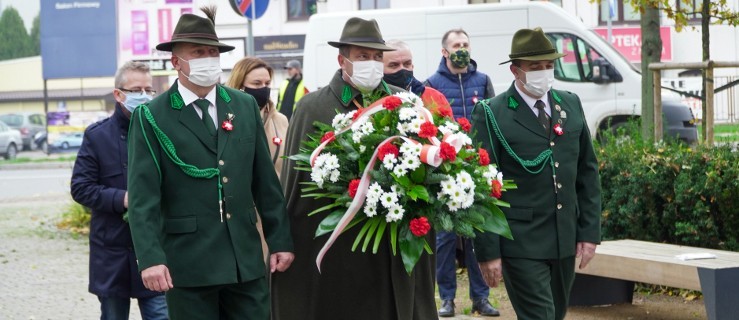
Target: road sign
<point>251,9</point>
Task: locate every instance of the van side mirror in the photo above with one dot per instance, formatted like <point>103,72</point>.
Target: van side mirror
<point>603,72</point>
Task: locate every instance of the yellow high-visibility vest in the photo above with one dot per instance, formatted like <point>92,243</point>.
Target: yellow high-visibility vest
<point>299,93</point>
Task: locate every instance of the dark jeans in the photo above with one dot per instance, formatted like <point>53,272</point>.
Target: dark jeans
<point>446,276</point>
<point>114,308</point>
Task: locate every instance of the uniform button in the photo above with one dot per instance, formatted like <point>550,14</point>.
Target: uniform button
<point>228,216</point>
<point>225,179</point>
<point>559,206</point>
<point>556,164</point>
<point>559,186</point>
<point>551,143</point>
<point>221,162</point>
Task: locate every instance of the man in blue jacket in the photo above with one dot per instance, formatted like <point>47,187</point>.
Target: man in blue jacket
<point>458,79</point>
<point>99,183</point>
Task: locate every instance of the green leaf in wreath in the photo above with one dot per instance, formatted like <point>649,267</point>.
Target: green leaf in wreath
<point>403,181</point>
<point>324,208</point>
<point>329,223</point>
<point>411,248</point>
<point>497,223</point>
<point>375,221</point>
<point>379,234</point>
<point>419,192</point>
<point>419,175</point>
<point>361,233</point>
<point>300,157</point>
<point>394,237</point>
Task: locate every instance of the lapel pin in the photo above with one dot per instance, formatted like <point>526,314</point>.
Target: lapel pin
<point>557,107</point>
<point>562,114</point>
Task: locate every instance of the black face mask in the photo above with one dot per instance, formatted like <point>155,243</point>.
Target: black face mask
<point>402,78</point>
<point>261,95</point>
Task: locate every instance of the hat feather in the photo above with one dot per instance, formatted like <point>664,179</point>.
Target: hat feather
<point>210,12</point>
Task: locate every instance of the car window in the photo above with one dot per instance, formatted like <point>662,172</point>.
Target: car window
<point>36,119</point>
<point>3,127</point>
<point>12,119</point>
<point>577,64</point>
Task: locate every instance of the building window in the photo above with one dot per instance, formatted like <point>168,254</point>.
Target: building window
<point>693,9</point>
<point>373,4</point>
<point>483,1</point>
<point>300,9</point>
<point>620,12</point>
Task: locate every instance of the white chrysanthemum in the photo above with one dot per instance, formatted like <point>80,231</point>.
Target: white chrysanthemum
<point>370,211</point>
<point>361,129</point>
<point>466,140</point>
<point>407,114</point>
<point>400,170</point>
<point>469,201</point>
<point>499,177</point>
<point>407,147</point>
<point>415,125</point>
<point>411,162</point>
<point>375,188</point>
<point>395,188</point>
<point>386,129</point>
<point>448,128</point>
<point>389,161</point>
<point>407,97</point>
<point>394,213</point>
<point>490,172</point>
<point>453,206</point>
<point>362,148</point>
<point>342,120</point>
<point>465,181</point>
<point>389,199</point>
<point>447,186</point>
<point>325,167</point>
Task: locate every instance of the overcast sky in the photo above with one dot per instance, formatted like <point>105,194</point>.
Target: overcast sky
<point>28,9</point>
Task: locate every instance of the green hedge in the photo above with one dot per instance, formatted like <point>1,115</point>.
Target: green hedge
<point>669,192</point>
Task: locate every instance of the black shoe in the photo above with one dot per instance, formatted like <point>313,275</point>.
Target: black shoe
<point>447,308</point>
<point>484,308</point>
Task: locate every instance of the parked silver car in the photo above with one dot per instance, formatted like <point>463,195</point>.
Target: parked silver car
<point>27,123</point>
<point>10,140</point>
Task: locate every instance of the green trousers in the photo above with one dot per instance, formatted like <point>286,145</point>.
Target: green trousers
<point>246,300</point>
<point>539,289</point>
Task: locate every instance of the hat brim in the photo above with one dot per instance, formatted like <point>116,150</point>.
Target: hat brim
<point>371,45</point>
<point>548,56</point>
<point>222,47</point>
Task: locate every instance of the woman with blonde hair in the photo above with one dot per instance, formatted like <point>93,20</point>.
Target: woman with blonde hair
<point>254,76</point>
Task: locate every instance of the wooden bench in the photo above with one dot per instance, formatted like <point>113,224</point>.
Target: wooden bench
<point>610,276</point>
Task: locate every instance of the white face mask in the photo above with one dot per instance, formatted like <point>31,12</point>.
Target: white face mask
<point>366,75</point>
<point>539,82</point>
<point>204,72</point>
<point>134,99</point>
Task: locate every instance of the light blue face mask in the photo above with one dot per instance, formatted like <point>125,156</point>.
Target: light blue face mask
<point>134,99</point>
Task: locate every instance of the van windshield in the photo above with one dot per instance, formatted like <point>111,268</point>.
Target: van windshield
<point>618,53</point>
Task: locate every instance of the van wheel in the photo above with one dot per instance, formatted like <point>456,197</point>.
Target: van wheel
<point>44,146</point>
<point>12,152</point>
<point>65,146</point>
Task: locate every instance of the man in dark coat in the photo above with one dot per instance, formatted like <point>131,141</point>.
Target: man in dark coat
<point>200,170</point>
<point>351,285</point>
<point>99,183</point>
<point>539,138</point>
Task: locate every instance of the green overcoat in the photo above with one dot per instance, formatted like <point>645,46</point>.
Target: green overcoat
<point>351,285</point>
<point>175,218</point>
<point>547,217</point>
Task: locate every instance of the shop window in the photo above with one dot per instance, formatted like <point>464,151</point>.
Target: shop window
<point>373,4</point>
<point>692,8</point>
<point>300,9</point>
<point>621,12</point>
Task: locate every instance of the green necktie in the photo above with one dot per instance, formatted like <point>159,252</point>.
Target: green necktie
<point>207,120</point>
<point>543,118</point>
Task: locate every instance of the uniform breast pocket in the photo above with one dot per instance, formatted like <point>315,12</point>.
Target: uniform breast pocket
<point>247,139</point>
<point>181,225</point>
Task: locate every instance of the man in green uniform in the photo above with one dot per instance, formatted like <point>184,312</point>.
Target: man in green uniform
<point>539,137</point>
<point>199,170</point>
<point>351,285</point>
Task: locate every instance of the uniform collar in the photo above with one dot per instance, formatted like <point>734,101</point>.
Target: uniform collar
<point>189,97</point>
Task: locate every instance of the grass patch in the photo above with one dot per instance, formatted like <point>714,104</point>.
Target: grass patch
<point>722,132</point>
<point>20,159</point>
<point>76,219</point>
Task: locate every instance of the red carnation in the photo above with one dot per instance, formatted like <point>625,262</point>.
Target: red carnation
<point>227,125</point>
<point>465,124</point>
<point>328,136</point>
<point>353,186</point>
<point>447,152</point>
<point>484,157</point>
<point>392,102</point>
<point>428,130</point>
<point>420,226</point>
<point>497,190</point>
<point>357,114</point>
<point>385,149</point>
<point>445,111</point>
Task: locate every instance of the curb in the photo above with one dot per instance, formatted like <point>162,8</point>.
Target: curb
<point>37,165</point>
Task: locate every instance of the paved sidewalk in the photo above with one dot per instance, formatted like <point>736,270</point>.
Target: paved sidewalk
<point>44,272</point>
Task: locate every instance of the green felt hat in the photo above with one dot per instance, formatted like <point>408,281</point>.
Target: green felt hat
<point>532,45</point>
<point>194,29</point>
<point>361,33</point>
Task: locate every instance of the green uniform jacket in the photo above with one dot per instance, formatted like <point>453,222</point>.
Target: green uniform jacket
<point>545,224</point>
<point>175,218</point>
<point>351,285</point>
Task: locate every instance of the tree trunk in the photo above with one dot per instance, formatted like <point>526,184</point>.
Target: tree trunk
<point>705,20</point>
<point>651,51</point>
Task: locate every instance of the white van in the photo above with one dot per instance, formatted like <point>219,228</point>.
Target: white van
<point>608,85</point>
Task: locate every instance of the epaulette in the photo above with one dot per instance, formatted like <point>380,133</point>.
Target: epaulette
<point>95,125</point>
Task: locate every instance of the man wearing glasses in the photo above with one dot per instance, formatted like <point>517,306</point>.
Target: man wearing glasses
<point>99,183</point>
